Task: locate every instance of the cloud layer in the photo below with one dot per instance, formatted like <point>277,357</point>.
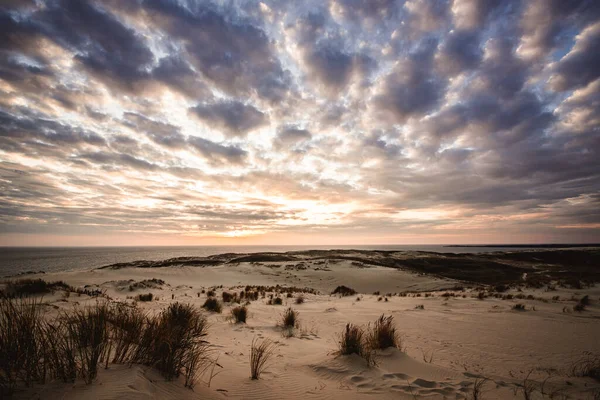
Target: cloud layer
<point>347,121</point>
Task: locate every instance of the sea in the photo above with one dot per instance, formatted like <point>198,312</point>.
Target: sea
<point>19,260</point>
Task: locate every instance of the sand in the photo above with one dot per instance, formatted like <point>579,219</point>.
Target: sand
<point>447,345</point>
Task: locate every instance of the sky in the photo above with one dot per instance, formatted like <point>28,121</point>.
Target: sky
<point>180,122</point>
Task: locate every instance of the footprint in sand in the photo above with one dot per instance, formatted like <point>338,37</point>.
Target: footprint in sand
<point>398,375</point>
<point>424,383</point>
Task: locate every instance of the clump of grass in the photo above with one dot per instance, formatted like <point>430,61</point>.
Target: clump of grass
<point>587,366</point>
<point>210,293</point>
<point>519,307</point>
<point>383,334</point>
<point>352,341</point>
<point>276,301</point>
<point>60,351</point>
<point>88,327</point>
<point>239,314</point>
<point>300,299</point>
<point>213,305</point>
<point>144,297</point>
<point>419,307</point>
<point>344,291</point>
<point>21,350</point>
<point>289,318</point>
<point>29,287</point>
<point>127,326</point>
<point>260,353</point>
<point>228,297</point>
<point>173,342</point>
<point>478,385</point>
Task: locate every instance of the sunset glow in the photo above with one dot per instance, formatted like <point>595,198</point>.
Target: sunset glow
<point>181,122</point>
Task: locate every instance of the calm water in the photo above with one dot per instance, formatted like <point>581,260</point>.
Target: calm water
<point>15,260</point>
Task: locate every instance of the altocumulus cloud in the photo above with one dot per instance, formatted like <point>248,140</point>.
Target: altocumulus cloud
<point>347,121</point>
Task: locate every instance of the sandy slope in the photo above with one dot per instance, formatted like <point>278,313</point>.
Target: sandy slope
<point>466,337</point>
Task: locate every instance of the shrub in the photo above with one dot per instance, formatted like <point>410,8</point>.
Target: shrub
<point>260,353</point>
<point>144,297</point>
<point>481,295</point>
<point>28,287</point>
<point>419,307</point>
<point>380,298</point>
<point>579,307</point>
<point>585,300</point>
<point>289,295</point>
<point>519,307</point>
<point>501,288</point>
<point>344,291</point>
<point>239,314</point>
<point>276,301</point>
<point>228,297</point>
<point>210,293</point>
<point>383,334</point>
<point>300,299</point>
<point>289,318</point>
<point>213,305</point>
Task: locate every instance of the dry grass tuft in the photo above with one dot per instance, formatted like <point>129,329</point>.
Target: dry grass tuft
<point>383,334</point>
<point>212,304</point>
<point>144,297</point>
<point>353,341</point>
<point>260,353</point>
<point>587,366</point>
<point>21,346</point>
<point>289,318</point>
<point>239,314</point>
<point>344,291</point>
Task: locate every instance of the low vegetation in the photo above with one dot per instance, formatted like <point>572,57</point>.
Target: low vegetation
<point>300,299</point>
<point>144,297</point>
<point>588,365</point>
<point>364,342</point>
<point>276,301</point>
<point>289,318</point>
<point>213,305</point>
<point>260,354</point>
<point>352,341</point>
<point>344,291</point>
<point>382,334</point>
<point>78,341</point>
<point>239,314</point>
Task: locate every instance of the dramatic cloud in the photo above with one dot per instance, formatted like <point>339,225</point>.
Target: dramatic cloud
<point>232,117</point>
<point>338,121</point>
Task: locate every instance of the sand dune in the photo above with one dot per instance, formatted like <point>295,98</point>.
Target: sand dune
<point>448,343</point>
